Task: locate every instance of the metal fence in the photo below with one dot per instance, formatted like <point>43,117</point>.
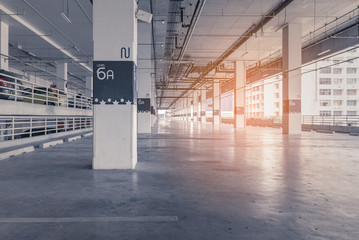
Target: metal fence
<point>345,120</point>
<point>18,127</point>
<point>19,89</point>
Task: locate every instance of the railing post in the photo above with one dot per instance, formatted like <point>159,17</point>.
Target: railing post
<point>30,127</point>
<point>47,96</point>
<point>32,93</point>
<point>15,97</point>
<point>13,129</point>
<point>45,125</point>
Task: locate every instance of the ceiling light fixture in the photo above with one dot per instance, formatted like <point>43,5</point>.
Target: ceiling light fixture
<point>67,19</point>
<point>324,52</point>
<point>41,34</point>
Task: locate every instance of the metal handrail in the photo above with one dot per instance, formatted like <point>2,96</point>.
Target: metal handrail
<point>334,120</point>
<point>17,127</point>
<point>41,94</point>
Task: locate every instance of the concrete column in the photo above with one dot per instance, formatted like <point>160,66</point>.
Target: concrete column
<point>239,95</point>
<point>144,78</point>
<point>89,86</point>
<point>153,111</point>
<point>115,63</point>
<point>195,106</point>
<point>216,103</point>
<point>61,73</point>
<point>292,61</point>
<point>203,106</point>
<point>190,105</point>
<point>4,45</point>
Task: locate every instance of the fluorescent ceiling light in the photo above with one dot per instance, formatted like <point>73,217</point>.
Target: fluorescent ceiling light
<point>324,52</point>
<point>41,35</point>
<point>67,19</point>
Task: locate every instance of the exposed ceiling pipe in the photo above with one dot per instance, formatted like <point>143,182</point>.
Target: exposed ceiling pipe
<point>197,12</point>
<point>241,40</point>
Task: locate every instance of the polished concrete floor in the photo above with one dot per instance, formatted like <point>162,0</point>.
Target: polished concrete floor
<point>191,182</point>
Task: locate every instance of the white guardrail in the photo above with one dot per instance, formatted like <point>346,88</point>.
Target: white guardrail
<point>18,127</point>
<point>13,87</point>
<point>345,120</point>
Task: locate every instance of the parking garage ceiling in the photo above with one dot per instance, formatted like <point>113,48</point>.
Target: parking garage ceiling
<point>191,38</point>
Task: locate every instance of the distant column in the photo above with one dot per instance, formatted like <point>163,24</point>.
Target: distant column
<point>144,78</point>
<point>292,35</point>
<point>239,95</point>
<point>4,46</point>
<point>216,103</point>
<point>89,86</point>
<point>203,106</point>
<point>195,106</point>
<point>61,73</point>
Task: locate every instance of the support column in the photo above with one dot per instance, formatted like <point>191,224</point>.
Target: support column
<point>292,61</point>
<point>216,103</point>
<point>203,106</point>
<point>89,86</point>
<point>144,78</point>
<point>4,46</point>
<point>115,63</point>
<point>61,73</point>
<point>195,106</point>
<point>239,95</point>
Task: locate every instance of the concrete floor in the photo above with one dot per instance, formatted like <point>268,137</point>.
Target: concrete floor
<point>218,183</point>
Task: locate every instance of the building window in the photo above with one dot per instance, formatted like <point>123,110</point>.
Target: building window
<point>336,61</point>
<point>326,70</point>
<point>351,70</point>
<point>325,91</point>
<point>325,103</point>
<point>337,102</point>
<point>337,113</point>
<point>337,81</point>
<point>337,92</point>
<point>350,60</point>
<point>351,81</point>
<point>352,50</point>
<point>351,103</point>
<point>325,113</point>
<point>325,81</point>
<point>351,92</point>
<point>337,71</point>
<point>351,113</point>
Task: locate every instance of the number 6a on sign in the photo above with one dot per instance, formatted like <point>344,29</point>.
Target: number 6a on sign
<point>105,75</point>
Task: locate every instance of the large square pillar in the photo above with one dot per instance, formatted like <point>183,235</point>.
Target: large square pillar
<point>216,103</point>
<point>4,45</point>
<point>292,62</point>
<point>239,94</point>
<point>114,79</point>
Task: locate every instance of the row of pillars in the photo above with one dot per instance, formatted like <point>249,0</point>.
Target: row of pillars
<point>186,108</point>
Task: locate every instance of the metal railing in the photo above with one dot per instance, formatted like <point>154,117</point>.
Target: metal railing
<point>18,127</point>
<point>344,120</point>
<point>19,89</point>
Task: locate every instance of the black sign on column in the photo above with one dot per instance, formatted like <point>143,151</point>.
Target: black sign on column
<point>114,82</point>
<point>144,105</point>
